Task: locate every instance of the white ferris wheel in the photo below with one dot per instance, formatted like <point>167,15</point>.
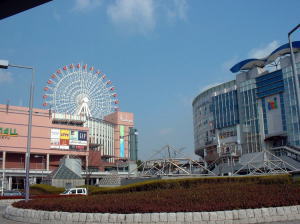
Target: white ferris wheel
<point>80,90</point>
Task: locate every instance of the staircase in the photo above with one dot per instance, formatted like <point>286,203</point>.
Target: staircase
<point>289,154</point>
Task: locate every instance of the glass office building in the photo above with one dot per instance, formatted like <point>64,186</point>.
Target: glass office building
<point>257,110</point>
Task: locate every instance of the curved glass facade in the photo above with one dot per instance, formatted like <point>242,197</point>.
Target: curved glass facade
<point>258,110</point>
<point>213,110</point>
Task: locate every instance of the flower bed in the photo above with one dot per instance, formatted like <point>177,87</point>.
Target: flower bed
<point>198,197</point>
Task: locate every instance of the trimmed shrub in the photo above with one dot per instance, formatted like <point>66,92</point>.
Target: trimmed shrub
<point>90,188</point>
<point>42,189</point>
<point>191,182</point>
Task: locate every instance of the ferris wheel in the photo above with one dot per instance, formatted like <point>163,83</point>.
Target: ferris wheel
<point>80,90</point>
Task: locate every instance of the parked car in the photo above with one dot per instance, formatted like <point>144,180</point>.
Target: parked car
<point>73,191</point>
<point>12,193</point>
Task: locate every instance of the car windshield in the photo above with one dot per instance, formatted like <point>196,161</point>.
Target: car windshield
<point>66,191</point>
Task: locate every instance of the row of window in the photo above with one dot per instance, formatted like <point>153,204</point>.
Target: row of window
<point>225,109</point>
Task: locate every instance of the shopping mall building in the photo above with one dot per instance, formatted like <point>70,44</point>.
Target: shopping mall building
<point>257,110</point>
<point>100,144</point>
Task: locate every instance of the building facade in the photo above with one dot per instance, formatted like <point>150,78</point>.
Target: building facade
<point>257,110</point>
<point>98,143</point>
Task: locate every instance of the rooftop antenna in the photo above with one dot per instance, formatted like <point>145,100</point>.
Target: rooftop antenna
<point>7,106</point>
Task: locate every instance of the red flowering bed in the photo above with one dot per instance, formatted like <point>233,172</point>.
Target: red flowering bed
<point>201,197</point>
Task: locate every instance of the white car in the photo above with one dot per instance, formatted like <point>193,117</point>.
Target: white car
<point>72,191</point>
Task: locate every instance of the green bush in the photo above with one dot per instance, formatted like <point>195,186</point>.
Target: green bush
<point>90,188</point>
<point>275,179</point>
<point>45,189</point>
<point>191,182</point>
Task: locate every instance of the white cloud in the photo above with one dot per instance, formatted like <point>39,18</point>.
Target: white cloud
<point>165,131</point>
<point>134,14</point>
<point>5,77</point>
<point>86,5</point>
<point>178,11</point>
<point>264,51</point>
<point>143,15</point>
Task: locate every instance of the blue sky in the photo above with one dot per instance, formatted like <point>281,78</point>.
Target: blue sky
<point>158,53</point>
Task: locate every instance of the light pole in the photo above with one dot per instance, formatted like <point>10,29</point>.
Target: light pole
<point>37,156</point>
<point>5,64</point>
<point>3,176</point>
<point>294,69</point>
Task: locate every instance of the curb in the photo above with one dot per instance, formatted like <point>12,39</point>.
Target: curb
<point>8,201</point>
<point>244,216</point>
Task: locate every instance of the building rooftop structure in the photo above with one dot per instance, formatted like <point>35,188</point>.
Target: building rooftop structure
<point>248,64</point>
<point>12,7</point>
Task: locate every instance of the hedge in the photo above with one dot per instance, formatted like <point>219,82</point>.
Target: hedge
<point>39,189</point>
<point>191,182</point>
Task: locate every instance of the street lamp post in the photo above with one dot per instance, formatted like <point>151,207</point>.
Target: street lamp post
<point>294,69</point>
<point>5,64</point>
<point>3,176</point>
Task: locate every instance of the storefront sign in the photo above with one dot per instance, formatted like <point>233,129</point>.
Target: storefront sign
<point>272,103</point>
<point>82,136</point>
<point>8,132</point>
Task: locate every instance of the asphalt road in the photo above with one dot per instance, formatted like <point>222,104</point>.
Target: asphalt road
<point>6,221</point>
<point>3,220</point>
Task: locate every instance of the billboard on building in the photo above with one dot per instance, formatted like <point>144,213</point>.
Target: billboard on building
<point>55,139</point>
<point>64,139</point>
<point>273,114</point>
<point>68,139</point>
<point>122,144</point>
<point>82,136</point>
<point>73,137</point>
<point>78,138</point>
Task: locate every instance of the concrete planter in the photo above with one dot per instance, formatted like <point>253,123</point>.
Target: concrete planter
<point>260,215</point>
<point>8,201</point>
